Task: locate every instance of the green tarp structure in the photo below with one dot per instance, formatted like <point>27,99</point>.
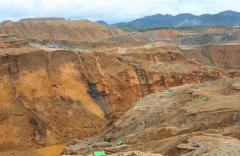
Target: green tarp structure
<point>205,98</point>
<point>170,92</point>
<point>99,153</point>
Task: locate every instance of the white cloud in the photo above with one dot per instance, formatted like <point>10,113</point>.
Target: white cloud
<point>109,10</point>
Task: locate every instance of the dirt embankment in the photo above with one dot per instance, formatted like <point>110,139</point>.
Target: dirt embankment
<point>138,38</point>
<point>7,41</point>
<point>59,31</point>
<point>51,97</point>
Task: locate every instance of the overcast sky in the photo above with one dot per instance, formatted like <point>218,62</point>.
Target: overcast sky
<point>109,10</point>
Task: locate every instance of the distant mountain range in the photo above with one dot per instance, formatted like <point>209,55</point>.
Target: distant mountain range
<point>184,20</point>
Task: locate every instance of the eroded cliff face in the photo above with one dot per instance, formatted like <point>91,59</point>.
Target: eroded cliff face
<point>51,97</point>
<point>226,56</point>
<point>40,94</point>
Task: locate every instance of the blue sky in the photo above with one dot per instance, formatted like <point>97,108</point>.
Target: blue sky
<point>109,10</point>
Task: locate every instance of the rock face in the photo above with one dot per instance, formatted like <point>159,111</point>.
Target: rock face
<point>51,97</point>
<point>180,122</point>
<point>58,30</point>
<point>226,56</point>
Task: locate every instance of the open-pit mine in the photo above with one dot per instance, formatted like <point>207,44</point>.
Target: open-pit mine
<point>78,88</point>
